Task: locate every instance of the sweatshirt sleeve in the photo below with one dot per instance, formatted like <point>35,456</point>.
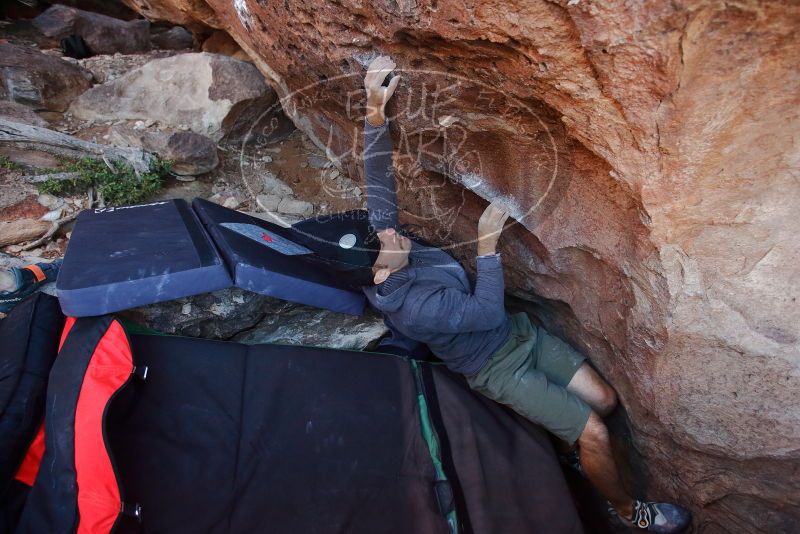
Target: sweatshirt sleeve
<point>451,311</point>
<point>379,176</point>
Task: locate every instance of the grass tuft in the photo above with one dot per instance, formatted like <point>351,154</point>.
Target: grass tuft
<point>117,187</point>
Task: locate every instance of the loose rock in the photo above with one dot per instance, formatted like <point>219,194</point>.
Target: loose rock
<point>38,80</point>
<point>103,34</point>
<point>203,93</point>
<point>176,38</point>
<point>22,230</point>
<point>268,202</point>
<point>296,207</point>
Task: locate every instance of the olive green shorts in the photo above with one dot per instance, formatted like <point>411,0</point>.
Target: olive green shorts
<point>530,373</point>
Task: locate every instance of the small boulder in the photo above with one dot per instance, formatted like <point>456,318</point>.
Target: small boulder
<point>275,186</point>
<point>231,203</point>
<point>291,206</point>
<point>268,202</point>
<point>19,113</point>
<point>103,34</point>
<point>205,93</point>
<point>39,81</point>
<point>21,230</point>
<point>175,38</point>
<point>190,153</point>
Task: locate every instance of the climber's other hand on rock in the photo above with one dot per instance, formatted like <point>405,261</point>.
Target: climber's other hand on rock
<point>377,94</point>
<point>489,227</point>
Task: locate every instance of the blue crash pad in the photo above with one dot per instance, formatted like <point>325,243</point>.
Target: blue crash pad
<point>261,269</point>
<point>120,258</point>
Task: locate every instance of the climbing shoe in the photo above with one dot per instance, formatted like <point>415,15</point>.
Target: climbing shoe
<point>27,280</point>
<point>661,517</point>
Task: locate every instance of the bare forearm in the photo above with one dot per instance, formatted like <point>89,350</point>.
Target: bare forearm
<point>375,113</point>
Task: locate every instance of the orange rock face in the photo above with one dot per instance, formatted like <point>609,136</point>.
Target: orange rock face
<point>649,152</point>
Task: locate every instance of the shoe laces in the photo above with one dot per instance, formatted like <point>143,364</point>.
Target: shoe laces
<point>642,514</point>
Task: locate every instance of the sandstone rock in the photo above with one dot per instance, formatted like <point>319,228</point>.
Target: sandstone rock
<point>295,324</point>
<point>648,151</point>
<point>291,206</point>
<point>28,207</point>
<point>38,80</point>
<point>20,113</point>
<point>103,34</point>
<point>50,201</point>
<point>190,153</point>
<point>268,202</point>
<point>21,230</point>
<point>204,93</point>
<point>107,68</point>
<point>34,159</point>
<point>221,43</point>
<point>175,38</point>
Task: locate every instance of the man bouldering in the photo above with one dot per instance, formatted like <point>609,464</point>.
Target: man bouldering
<point>426,296</point>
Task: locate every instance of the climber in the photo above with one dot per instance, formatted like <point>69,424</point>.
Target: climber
<point>425,296</point>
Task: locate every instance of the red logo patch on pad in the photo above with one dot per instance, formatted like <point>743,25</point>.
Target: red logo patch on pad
<point>266,237</point>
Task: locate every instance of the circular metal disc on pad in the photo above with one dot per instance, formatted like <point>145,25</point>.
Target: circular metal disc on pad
<point>347,241</point>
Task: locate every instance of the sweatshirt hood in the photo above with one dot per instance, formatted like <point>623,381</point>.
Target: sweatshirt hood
<point>392,301</point>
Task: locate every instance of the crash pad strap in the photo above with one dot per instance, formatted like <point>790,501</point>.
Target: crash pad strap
<point>443,487</point>
<point>37,271</point>
<point>76,484</point>
<point>426,372</point>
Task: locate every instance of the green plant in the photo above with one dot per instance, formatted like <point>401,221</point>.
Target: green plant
<point>117,186</point>
<point>6,163</point>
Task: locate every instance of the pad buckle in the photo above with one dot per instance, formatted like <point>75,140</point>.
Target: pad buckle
<point>132,510</point>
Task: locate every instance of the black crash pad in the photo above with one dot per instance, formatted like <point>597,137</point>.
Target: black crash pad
<point>257,268</point>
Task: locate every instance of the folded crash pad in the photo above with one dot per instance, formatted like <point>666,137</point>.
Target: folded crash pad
<point>281,270</point>
<point>121,258</point>
<point>149,433</point>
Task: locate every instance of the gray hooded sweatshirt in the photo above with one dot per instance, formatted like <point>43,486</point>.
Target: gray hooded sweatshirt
<point>432,300</point>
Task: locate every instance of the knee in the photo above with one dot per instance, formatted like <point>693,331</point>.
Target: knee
<point>608,400</point>
<point>595,433</point>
